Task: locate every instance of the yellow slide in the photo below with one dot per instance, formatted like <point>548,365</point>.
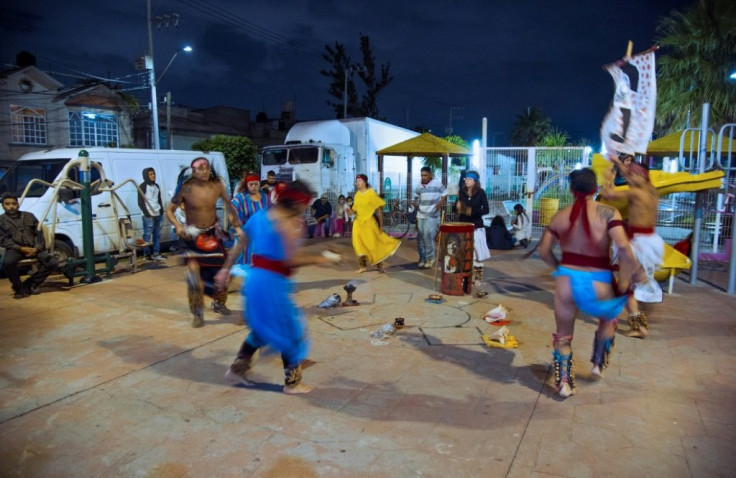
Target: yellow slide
<point>673,262</point>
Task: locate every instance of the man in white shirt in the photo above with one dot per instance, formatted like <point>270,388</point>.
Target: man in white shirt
<point>429,198</point>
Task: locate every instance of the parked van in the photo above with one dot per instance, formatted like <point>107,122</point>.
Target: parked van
<point>117,165</point>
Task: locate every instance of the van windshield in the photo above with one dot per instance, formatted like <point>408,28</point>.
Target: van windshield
<point>20,174</point>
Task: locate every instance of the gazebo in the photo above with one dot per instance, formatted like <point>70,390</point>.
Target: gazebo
<point>423,145</point>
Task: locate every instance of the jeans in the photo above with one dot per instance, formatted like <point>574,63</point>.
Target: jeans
<point>152,225</point>
<point>425,238</point>
<point>326,230</point>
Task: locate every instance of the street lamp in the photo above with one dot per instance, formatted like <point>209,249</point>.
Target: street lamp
<point>154,102</point>
<point>348,69</point>
<point>186,49</point>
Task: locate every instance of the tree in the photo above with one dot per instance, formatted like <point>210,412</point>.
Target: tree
<point>435,162</point>
<point>373,81</point>
<point>697,58</point>
<point>556,138</point>
<point>240,153</point>
<point>530,128</point>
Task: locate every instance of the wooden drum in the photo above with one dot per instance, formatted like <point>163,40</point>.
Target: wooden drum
<point>456,257</point>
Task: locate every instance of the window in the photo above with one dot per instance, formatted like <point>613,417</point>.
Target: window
<point>272,157</point>
<point>22,172</point>
<point>28,124</point>
<point>92,129</point>
<point>305,155</point>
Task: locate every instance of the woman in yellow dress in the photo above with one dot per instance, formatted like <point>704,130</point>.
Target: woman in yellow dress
<point>369,242</point>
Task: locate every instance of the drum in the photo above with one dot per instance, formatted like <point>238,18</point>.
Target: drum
<point>456,257</point>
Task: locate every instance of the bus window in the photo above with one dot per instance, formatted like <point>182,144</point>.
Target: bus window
<point>274,157</point>
<point>303,155</point>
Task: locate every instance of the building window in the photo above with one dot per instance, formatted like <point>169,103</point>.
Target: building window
<point>92,129</point>
<point>28,124</point>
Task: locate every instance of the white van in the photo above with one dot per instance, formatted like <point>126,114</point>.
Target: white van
<point>117,164</point>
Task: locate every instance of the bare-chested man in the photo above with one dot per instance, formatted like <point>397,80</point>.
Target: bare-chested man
<point>643,200</point>
<point>202,236</point>
<point>583,278</point>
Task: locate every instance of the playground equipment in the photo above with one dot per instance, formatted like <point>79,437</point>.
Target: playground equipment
<point>673,262</point>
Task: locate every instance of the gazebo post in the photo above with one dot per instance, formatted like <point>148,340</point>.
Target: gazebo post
<point>409,166</point>
<point>380,174</point>
<point>445,162</point>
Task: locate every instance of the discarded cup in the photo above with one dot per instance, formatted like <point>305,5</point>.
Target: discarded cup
<point>399,323</point>
<point>331,301</point>
<point>384,331</point>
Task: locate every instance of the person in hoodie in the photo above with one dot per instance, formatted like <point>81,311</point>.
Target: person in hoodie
<point>152,209</point>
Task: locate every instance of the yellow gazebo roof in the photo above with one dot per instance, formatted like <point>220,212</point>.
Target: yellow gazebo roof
<point>670,144</point>
<point>425,145</point>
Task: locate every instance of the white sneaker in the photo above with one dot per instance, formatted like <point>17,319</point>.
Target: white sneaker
<point>429,264</point>
<point>337,234</point>
<point>158,257</point>
<point>420,265</point>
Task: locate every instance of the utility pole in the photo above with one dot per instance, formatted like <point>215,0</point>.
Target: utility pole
<point>152,79</point>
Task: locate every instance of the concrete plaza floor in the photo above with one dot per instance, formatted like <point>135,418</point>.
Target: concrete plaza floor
<point>109,379</point>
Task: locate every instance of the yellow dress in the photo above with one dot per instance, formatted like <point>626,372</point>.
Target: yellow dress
<point>368,239</point>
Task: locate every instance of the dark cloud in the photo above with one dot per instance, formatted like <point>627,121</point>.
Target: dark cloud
<point>452,61</point>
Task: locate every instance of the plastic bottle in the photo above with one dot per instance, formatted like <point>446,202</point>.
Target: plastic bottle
<point>331,301</point>
<point>384,331</point>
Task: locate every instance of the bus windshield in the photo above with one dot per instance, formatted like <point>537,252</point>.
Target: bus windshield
<point>20,174</point>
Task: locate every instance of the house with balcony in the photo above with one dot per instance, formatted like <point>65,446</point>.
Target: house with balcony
<point>38,112</point>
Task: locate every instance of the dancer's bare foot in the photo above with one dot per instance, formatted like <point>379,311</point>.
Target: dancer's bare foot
<point>637,334</point>
<point>235,379</point>
<point>360,270</point>
<point>596,372</point>
<point>565,390</point>
<point>298,389</point>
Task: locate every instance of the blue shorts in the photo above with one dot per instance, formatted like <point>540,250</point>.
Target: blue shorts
<point>583,293</point>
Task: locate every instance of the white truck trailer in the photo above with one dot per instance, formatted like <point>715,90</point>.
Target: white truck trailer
<point>328,154</point>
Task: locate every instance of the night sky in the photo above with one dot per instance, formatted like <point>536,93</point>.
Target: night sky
<point>451,60</point>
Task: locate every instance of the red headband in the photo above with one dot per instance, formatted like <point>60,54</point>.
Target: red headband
<point>197,161</point>
<point>363,177</point>
<point>579,208</point>
<point>252,177</point>
<point>293,195</point>
<point>639,170</point>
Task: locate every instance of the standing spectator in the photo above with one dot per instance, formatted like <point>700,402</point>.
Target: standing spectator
<point>499,236</point>
<point>153,209</point>
<point>472,205</point>
<point>429,197</point>
<point>522,226</point>
<point>21,238</point>
<point>269,183</point>
<point>340,217</point>
<point>321,212</point>
<point>248,202</point>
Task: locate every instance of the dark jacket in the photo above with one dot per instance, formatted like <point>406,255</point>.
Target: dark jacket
<point>478,203</point>
<point>144,187</point>
<point>498,237</point>
<point>20,232</point>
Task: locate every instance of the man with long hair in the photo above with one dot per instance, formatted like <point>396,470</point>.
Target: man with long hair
<point>202,236</point>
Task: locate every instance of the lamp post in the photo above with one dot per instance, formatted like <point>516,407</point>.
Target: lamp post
<point>186,49</point>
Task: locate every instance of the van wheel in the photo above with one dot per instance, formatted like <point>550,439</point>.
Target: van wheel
<point>62,251</point>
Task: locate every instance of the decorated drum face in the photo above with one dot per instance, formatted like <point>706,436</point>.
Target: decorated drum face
<point>456,256</point>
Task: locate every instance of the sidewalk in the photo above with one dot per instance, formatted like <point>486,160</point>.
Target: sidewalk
<point>109,379</point>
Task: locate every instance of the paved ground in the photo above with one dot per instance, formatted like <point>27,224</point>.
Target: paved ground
<point>110,380</point>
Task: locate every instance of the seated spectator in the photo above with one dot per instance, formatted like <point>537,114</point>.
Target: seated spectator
<point>22,239</point>
<point>321,212</point>
<point>498,236</point>
<point>522,226</point>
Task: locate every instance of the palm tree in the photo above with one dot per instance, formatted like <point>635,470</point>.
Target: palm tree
<point>698,55</point>
<point>530,128</point>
